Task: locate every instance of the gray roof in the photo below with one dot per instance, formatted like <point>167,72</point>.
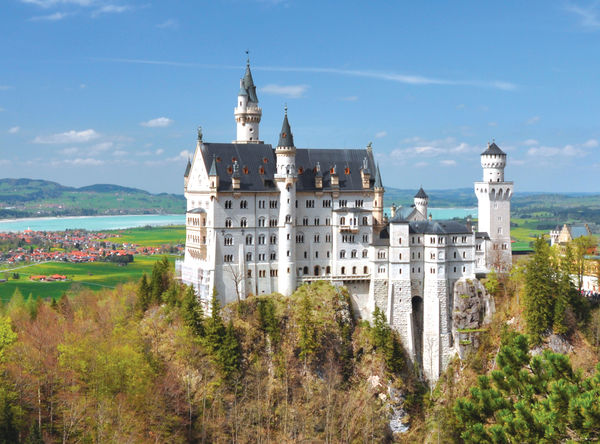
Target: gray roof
<point>493,149</point>
<point>197,211</point>
<point>438,227</point>
<point>253,156</point>
<point>421,194</point>
<point>579,230</point>
<point>187,168</point>
<point>213,167</point>
<point>378,183</point>
<point>286,138</point>
<point>482,235</point>
<point>248,84</point>
<point>351,210</point>
<point>383,239</point>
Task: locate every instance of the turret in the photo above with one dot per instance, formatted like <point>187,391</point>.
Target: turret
<point>378,198</point>
<point>493,161</point>
<point>247,112</point>
<point>365,174</point>
<point>285,178</point>
<point>213,177</point>
<point>186,175</point>
<point>421,201</point>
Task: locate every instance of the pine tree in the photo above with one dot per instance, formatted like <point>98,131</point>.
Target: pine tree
<point>192,312</point>
<point>143,294</point>
<point>35,434</point>
<point>539,291</point>
<point>229,353</point>
<point>160,279</point>
<point>214,326</point>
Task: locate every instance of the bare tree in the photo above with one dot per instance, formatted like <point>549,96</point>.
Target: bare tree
<point>237,276</point>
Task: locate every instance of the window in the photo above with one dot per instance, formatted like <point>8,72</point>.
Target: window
<point>432,270</point>
<point>272,222</point>
<point>455,269</point>
<point>249,273</point>
<point>227,204</point>
<point>342,220</point>
<point>316,255</point>
<point>228,258</point>
<point>358,203</point>
<point>243,222</point>
<point>327,221</point>
<point>455,255</point>
<point>464,255</point>
<point>273,239</point>
<point>328,254</point>
<point>365,220</point>
<point>273,273</point>
<point>317,238</point>
<point>327,203</point>
<point>431,255</point>
<point>272,204</point>
<point>261,222</point>
<point>343,270</point>
<point>249,239</point>
<point>228,240</point>
<point>419,255</point>
<point>316,221</point>
<point>228,223</point>
<point>300,238</point>
<point>365,238</point>
<point>310,203</point>
<point>400,271</point>
<point>399,241</point>
<point>454,239</point>
<point>381,254</point>
<point>262,273</point>
<point>365,270</point>
<point>243,204</point>
<point>464,239</point>
<point>273,256</point>
<point>354,254</point>
<point>353,270</point>
<point>305,221</point>
<point>261,204</point>
<point>248,257</point>
<point>327,269</point>
<point>342,254</point>
<point>261,239</point>
<point>306,255</point>
<point>400,256</point>
<point>365,253</point>
<point>261,257</point>
<point>464,269</point>
<point>381,269</point>
<point>499,230</point>
<point>328,238</point>
<point>342,203</point>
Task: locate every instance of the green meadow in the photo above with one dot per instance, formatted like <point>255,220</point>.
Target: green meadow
<point>524,231</point>
<point>150,236</point>
<point>94,275</point>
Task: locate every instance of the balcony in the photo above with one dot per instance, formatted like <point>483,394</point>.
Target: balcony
<point>348,228</point>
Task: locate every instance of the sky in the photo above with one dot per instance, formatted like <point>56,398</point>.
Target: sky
<point>112,91</point>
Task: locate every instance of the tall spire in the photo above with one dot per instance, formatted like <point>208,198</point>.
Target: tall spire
<point>188,168</point>
<point>285,137</point>
<point>248,83</point>
<point>213,167</point>
<point>378,183</point>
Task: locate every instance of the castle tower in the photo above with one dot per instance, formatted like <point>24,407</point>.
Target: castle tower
<point>285,178</point>
<point>493,195</point>
<point>247,112</point>
<point>421,200</point>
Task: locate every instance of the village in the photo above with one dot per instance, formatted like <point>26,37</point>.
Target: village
<point>71,246</point>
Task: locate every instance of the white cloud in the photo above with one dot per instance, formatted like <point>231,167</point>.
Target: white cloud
<point>380,134</point>
<point>159,151</point>
<point>111,9</point>
<point>100,147</point>
<point>82,86</point>
<point>432,148</point>
<point>549,151</point>
<point>183,155</point>
<point>79,161</point>
<point>421,164</point>
<point>533,120</point>
<point>68,137</point>
<point>530,142</point>
<point>588,16</point>
<point>14,130</point>
<point>289,91</point>
<point>448,162</point>
<point>159,122</point>
<point>69,151</point>
<point>592,143</point>
<point>50,3</point>
<point>168,24</point>
<point>1,110</point>
<point>50,17</point>
<point>119,153</point>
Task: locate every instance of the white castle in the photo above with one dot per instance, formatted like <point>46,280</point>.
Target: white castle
<point>263,219</point>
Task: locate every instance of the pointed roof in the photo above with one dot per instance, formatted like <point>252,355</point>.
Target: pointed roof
<point>286,137</point>
<point>493,149</point>
<point>421,194</point>
<point>213,167</point>
<point>243,91</point>
<point>188,168</point>
<point>378,183</point>
<point>248,84</point>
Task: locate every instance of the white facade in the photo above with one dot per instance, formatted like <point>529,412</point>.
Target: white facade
<point>263,220</point>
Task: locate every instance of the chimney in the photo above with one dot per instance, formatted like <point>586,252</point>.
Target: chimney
<point>235,176</point>
<point>393,211</point>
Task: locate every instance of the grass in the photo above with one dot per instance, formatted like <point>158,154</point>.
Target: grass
<point>95,275</point>
<point>150,236</point>
<point>525,232</point>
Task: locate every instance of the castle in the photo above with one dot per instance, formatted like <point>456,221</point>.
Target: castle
<point>262,219</point>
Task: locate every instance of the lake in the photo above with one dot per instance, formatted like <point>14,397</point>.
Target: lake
<point>92,223</point>
<point>98,223</point>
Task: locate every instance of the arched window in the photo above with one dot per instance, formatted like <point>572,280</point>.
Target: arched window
<point>342,220</point>
<point>353,253</point>
<point>342,254</point>
<point>305,270</point>
<point>327,269</point>
<point>228,240</point>
<point>248,257</point>
<point>243,222</point>
<point>317,270</point>
<point>365,270</point>
<point>261,221</point>
<point>228,223</point>
<point>343,270</point>
<point>353,270</point>
<point>261,239</point>
<point>365,253</point>
<point>249,239</point>
<point>365,220</point>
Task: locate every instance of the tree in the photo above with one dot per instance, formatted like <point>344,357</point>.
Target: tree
<point>582,246</point>
<point>229,353</point>
<point>214,326</point>
<point>307,335</point>
<point>192,312</point>
<point>143,294</point>
<point>539,291</point>
<point>160,280</point>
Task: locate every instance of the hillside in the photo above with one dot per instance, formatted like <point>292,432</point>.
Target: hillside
<point>40,198</point>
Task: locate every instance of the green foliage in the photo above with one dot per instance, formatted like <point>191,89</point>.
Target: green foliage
<point>307,330</point>
<point>143,294</point>
<point>214,327</point>
<point>530,400</point>
<point>491,282</point>
<point>268,322</point>
<point>539,291</point>
<point>35,434</point>
<point>387,341</point>
<point>9,415</point>
<point>7,335</point>
<point>229,353</point>
<point>192,312</point>
<point>160,280</point>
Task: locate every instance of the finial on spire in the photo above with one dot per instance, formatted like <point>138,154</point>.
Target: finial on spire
<point>285,109</point>
<point>247,57</point>
<point>370,147</point>
<point>199,134</point>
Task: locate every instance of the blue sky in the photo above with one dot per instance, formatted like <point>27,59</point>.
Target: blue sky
<point>111,91</point>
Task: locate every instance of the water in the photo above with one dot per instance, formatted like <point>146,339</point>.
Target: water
<point>99,223</point>
<point>446,213</point>
<point>92,223</point>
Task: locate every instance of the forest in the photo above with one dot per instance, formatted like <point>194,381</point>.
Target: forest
<point>146,362</point>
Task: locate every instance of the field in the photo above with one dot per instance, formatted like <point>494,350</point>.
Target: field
<point>525,232</point>
<point>150,236</point>
<point>95,275</point>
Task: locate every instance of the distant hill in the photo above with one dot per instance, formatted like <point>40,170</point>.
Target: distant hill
<point>39,198</point>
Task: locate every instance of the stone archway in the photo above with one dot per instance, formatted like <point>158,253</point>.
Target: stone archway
<point>417,329</point>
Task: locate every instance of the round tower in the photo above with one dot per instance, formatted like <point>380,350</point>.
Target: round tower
<point>285,178</point>
<point>493,161</point>
<point>378,191</point>
<point>421,201</point>
<point>247,112</point>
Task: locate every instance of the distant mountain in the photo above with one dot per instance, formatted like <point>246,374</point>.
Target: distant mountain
<point>38,198</point>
